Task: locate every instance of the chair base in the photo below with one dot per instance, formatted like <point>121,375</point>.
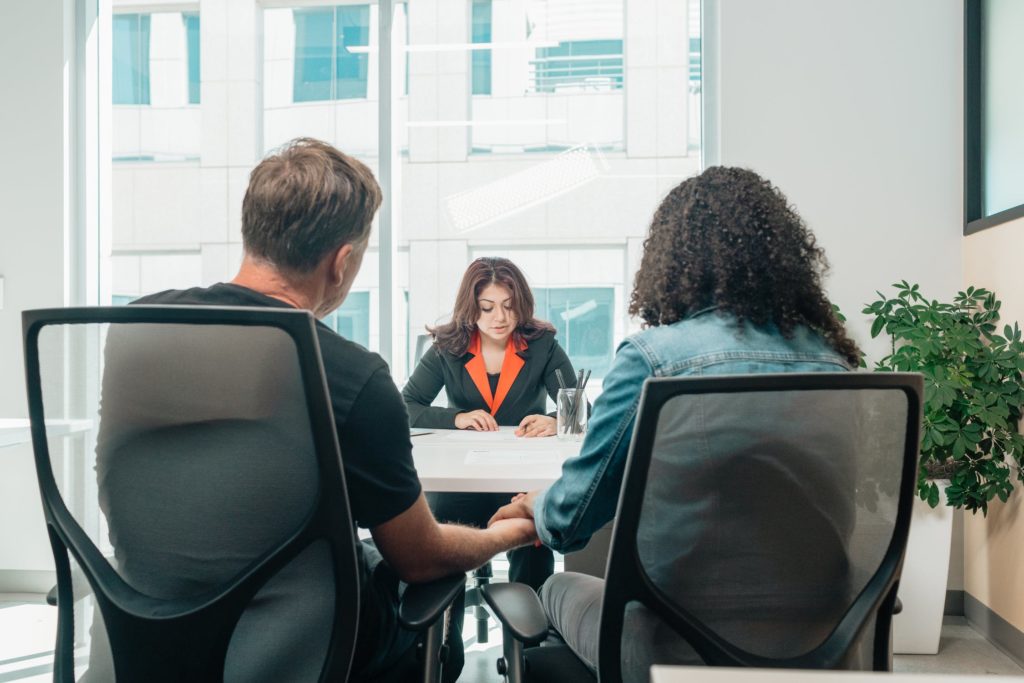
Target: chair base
<point>481,577</point>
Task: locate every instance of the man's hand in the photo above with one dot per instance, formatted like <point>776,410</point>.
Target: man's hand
<point>420,550</point>
<point>536,425</point>
<point>521,507</point>
<point>479,420</point>
<point>515,531</point>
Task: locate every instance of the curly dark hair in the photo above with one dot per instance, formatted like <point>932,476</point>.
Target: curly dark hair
<point>729,238</point>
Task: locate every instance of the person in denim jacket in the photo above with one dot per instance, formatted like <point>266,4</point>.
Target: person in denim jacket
<point>729,283</point>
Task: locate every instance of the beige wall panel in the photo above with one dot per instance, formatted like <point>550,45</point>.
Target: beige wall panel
<point>994,546</point>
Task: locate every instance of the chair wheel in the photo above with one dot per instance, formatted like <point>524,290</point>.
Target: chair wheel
<point>502,666</point>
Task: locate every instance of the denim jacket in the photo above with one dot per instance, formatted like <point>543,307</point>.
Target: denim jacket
<point>707,343</point>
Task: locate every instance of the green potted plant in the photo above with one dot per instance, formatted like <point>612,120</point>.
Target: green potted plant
<point>970,444</point>
<point>974,392</point>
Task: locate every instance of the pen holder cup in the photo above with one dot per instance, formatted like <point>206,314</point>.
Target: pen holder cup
<point>571,414</point>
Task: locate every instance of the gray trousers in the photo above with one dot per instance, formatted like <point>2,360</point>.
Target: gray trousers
<point>572,603</point>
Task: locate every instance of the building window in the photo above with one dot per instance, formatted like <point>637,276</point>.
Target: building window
<point>695,64</point>
<point>326,66</point>
<point>481,58</point>
<point>584,320</point>
<point>191,21</point>
<point>352,319</point>
<point>994,114</point>
<point>579,65</point>
<point>131,58</point>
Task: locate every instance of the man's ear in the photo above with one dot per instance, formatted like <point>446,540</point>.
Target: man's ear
<point>339,262</point>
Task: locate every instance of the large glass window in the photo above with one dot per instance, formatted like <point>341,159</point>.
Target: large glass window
<point>330,53</point>
<point>579,65</point>
<point>584,318</point>
<point>994,115</point>
<point>161,212</point>
<point>130,47</point>
<point>1003,105</point>
<point>593,115</point>
<point>192,35</point>
<point>155,87</point>
<point>481,56</point>
<point>557,76</point>
<point>545,131</point>
<point>352,319</point>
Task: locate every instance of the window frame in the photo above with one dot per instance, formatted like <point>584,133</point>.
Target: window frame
<point>975,219</point>
<point>361,60</point>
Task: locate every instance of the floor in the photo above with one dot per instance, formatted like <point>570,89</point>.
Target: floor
<point>962,650</point>
<point>27,625</point>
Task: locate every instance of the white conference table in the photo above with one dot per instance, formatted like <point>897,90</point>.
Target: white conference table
<point>467,461</point>
<point>707,674</point>
<point>14,431</point>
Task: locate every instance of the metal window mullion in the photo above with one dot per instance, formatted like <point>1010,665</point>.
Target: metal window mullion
<point>385,176</point>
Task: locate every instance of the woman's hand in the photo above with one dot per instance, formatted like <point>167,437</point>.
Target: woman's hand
<point>480,420</point>
<point>520,507</point>
<point>536,425</point>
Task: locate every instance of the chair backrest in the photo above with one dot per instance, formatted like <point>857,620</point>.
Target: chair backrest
<point>423,342</point>
<point>217,475</point>
<point>762,522</point>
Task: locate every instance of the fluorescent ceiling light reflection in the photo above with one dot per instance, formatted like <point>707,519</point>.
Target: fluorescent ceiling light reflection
<point>478,124</point>
<point>519,191</point>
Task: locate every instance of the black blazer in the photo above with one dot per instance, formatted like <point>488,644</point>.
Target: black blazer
<point>525,397</point>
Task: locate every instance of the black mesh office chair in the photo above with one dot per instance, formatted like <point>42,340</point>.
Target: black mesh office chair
<point>762,522</point>
<point>219,484</point>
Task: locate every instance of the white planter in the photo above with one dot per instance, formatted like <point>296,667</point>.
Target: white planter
<point>923,585</point>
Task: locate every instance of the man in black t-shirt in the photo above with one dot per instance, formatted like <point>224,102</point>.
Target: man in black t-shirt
<point>306,221</point>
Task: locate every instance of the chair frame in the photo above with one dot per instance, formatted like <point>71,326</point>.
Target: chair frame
<point>627,581</point>
<point>148,636</point>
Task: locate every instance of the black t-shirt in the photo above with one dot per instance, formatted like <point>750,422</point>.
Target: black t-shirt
<point>369,413</point>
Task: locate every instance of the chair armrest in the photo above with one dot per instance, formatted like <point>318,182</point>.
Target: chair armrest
<point>518,609</point>
<point>423,603</point>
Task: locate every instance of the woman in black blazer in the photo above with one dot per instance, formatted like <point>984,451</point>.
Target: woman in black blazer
<point>497,364</point>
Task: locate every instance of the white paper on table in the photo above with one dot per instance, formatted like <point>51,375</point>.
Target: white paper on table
<point>500,457</point>
<point>469,435</point>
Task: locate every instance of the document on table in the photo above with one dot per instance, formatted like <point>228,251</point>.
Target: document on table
<point>511,457</point>
<point>469,435</point>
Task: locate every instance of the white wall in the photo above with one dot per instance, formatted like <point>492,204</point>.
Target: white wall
<point>32,232</point>
<point>854,109</point>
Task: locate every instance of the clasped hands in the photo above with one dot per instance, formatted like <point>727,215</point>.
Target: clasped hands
<point>483,421</point>
<point>520,507</point>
